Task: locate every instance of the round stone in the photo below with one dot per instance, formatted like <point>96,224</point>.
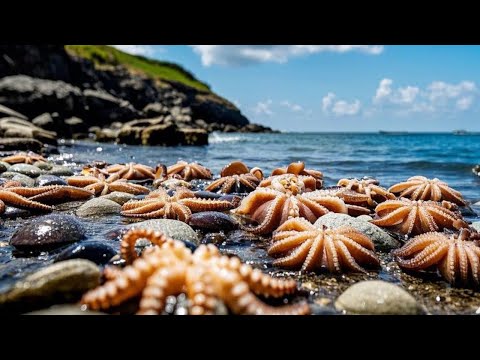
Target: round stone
<point>98,207</point>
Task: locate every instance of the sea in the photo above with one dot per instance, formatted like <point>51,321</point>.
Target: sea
<point>388,157</point>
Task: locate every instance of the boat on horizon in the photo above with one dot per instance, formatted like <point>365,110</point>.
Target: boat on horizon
<point>384,132</point>
<point>460,132</point>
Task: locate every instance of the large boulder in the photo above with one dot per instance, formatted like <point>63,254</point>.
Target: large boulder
<point>11,127</point>
<point>104,108</point>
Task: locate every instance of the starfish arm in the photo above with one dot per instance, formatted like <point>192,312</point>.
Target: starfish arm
<point>347,259</point>
<point>356,236</point>
<point>358,252</point>
<point>216,184</point>
<point>331,255</point>
<point>197,205</point>
<point>13,199</point>
<point>429,256</point>
<point>393,218</point>
<point>314,257</point>
<point>81,181</point>
<point>134,189</point>
<point>296,224</point>
<point>284,245</point>
<point>419,243</point>
<point>474,264</point>
<point>271,219</point>
<point>452,195</point>
<point>296,258</point>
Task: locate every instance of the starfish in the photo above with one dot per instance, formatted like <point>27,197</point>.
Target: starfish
<point>132,171</point>
<point>159,204</point>
<point>272,207</point>
<point>298,168</point>
<point>236,177</point>
<point>374,193</point>
<point>9,196</point>
<point>421,188</point>
<point>456,256</point>
<point>205,276</point>
<point>101,186</point>
<point>304,183</point>
<point>417,217</point>
<point>305,247</point>
<point>357,204</point>
<point>24,157</point>
<point>53,194</point>
<point>188,171</point>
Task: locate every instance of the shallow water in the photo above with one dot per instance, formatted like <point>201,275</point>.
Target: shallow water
<point>389,158</point>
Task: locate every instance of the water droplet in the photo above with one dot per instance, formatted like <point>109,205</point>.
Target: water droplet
<point>99,149</point>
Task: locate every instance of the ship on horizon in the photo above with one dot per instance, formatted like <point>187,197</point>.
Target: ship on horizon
<point>384,132</point>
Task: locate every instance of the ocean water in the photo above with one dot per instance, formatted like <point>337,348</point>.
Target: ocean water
<point>389,158</point>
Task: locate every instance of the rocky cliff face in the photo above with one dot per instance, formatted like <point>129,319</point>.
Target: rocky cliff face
<point>48,82</point>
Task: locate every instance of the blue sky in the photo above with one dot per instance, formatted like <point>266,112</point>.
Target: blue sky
<point>339,87</point>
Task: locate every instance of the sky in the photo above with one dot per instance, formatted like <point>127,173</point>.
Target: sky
<point>339,87</point>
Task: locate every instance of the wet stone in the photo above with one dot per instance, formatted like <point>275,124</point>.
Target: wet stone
<point>382,240</point>
<point>48,231</point>
<point>26,169</point>
<point>212,220</point>
<point>60,170</point>
<point>66,309</point>
<point>47,180</point>
<point>98,207</point>
<point>476,225</point>
<point>96,251</point>
<point>3,166</point>
<point>23,179</point>
<point>173,228</point>
<point>378,298</point>
<point>43,165</point>
<point>119,197</point>
<point>66,280</point>
<point>213,238</point>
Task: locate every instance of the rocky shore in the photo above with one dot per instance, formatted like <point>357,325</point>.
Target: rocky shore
<point>47,92</point>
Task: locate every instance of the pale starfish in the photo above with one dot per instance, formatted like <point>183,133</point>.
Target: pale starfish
<point>158,204</point>
<point>303,246</point>
<point>370,187</point>
<point>131,171</point>
<point>421,188</point>
<point>206,277</point>
<point>101,186</point>
<point>357,204</point>
<point>417,217</point>
<point>298,168</point>
<point>272,207</point>
<point>24,157</point>
<point>456,256</point>
<point>8,196</point>
<point>236,177</point>
<point>188,171</point>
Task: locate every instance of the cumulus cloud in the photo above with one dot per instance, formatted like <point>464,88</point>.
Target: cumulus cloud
<point>292,106</point>
<point>263,108</point>
<point>136,49</point>
<point>438,95</point>
<point>250,54</point>
<point>330,104</point>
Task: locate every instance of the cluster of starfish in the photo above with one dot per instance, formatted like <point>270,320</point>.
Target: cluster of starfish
<point>237,178</point>
<point>28,157</point>
<point>205,276</point>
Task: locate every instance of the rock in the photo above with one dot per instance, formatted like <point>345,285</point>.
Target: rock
<point>255,128</point>
<point>96,251</point>
<point>67,309</point>
<point>119,197</point>
<point>66,280</point>
<point>196,137</point>
<point>48,231</point>
<point>18,128</point>
<point>7,112</point>
<point>3,166</point>
<point>173,228</point>
<point>99,207</point>
<point>212,108</point>
<point>16,143</point>
<point>46,180</point>
<point>26,169</point>
<point>104,108</point>
<point>36,96</point>
<point>476,225</point>
<point>378,298</point>
<point>162,134</point>
<point>382,240</point>
<point>106,135</point>
<point>23,179</point>
<point>155,109</point>
<point>60,170</point>
<point>42,165</point>
<point>45,121</point>
<point>212,220</point>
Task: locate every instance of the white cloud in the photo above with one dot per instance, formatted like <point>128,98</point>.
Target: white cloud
<point>249,54</point>
<point>340,107</point>
<point>437,96</point>
<point>136,49</point>
<point>263,108</point>
<point>291,106</point>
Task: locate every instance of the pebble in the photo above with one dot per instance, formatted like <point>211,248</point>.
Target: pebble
<point>60,170</point>
<point>377,297</point>
<point>96,251</point>
<point>212,220</point>
<point>66,309</point>
<point>67,279</point>
<point>48,231</point>
<point>98,207</point>
<point>173,228</point>
<point>381,239</point>
<point>46,180</point>
<point>23,179</point>
<point>26,169</point>
<point>43,165</point>
<point>3,166</point>
<point>119,197</point>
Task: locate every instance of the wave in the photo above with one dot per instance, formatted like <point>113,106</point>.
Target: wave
<point>215,138</point>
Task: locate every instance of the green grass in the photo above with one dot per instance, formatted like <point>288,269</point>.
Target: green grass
<point>104,55</point>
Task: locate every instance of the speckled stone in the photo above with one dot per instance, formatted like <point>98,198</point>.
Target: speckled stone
<point>119,197</point>
<point>46,180</point>
<point>98,207</point>
<point>26,169</point>
<point>377,297</point>
<point>23,179</point>
<point>3,166</point>
<point>60,170</point>
<point>381,239</point>
<point>173,228</point>
<point>43,165</point>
